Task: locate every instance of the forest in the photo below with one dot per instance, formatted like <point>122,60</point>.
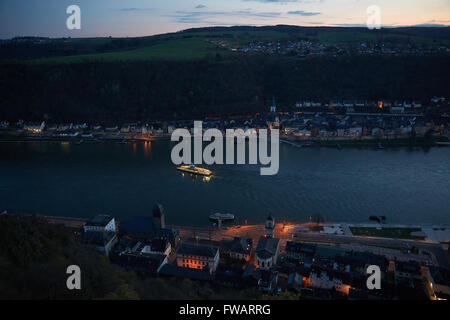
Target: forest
<point>155,90</point>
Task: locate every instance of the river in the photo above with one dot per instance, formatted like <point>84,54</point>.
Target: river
<point>407,185</point>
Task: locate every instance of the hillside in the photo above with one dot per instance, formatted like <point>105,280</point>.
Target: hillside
<point>217,71</point>
<point>202,42</point>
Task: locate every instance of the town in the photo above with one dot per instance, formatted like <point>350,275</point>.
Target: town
<point>314,260</point>
<point>309,122</point>
<point>305,47</point>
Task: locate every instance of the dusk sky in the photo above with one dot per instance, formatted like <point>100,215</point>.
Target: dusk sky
<point>148,17</point>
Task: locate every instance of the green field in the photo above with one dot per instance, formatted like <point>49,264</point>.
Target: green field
<point>173,49</point>
<point>395,233</point>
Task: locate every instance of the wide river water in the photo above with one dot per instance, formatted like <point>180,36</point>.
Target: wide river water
<point>407,185</point>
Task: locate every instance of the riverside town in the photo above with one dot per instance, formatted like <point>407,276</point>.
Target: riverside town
<point>225,158</point>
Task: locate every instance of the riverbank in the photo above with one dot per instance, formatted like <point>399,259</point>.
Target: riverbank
<point>376,143</point>
<point>81,139</point>
<point>425,232</point>
<point>297,142</point>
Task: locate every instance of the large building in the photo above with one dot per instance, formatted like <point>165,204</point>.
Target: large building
<point>267,252</point>
<point>239,248</point>
<point>197,256</point>
<point>299,251</point>
<point>150,227</point>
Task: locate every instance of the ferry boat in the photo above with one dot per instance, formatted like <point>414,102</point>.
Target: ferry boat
<point>222,216</point>
<point>194,170</point>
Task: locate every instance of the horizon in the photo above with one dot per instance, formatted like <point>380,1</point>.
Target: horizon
<point>234,26</point>
<point>138,18</point>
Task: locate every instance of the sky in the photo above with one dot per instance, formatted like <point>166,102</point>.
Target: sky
<point>119,18</point>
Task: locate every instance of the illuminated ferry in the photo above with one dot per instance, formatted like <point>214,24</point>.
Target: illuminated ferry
<point>195,170</point>
<point>222,216</point>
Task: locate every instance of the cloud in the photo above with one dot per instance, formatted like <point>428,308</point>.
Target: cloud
<point>135,9</point>
<point>286,1</point>
<point>304,13</point>
<point>200,6</point>
<point>205,16</point>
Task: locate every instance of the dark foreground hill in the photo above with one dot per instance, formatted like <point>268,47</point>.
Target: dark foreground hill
<point>34,256</point>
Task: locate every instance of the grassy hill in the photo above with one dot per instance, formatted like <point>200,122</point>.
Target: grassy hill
<point>172,49</point>
<point>203,42</point>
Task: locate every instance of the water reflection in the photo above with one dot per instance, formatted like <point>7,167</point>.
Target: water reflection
<point>147,148</point>
<point>65,146</point>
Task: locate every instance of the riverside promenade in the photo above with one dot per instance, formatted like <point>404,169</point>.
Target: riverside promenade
<point>431,241</point>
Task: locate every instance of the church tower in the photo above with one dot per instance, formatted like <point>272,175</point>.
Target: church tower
<point>270,226</point>
<point>273,107</point>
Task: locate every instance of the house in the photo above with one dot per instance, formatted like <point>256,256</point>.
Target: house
<point>299,251</point>
<point>239,248</point>
<point>267,252</point>
<point>417,104</point>
<point>348,103</point>
<point>326,279</point>
<point>101,223</point>
<point>397,109</point>
<point>355,131</point>
<point>34,127</point>
<point>196,256</point>
<point>406,273</point>
<point>125,128</point>
<point>325,253</point>
<point>112,129</point>
<point>4,124</point>
<point>157,246</point>
<point>104,241</point>
<point>295,281</point>
<point>304,133</point>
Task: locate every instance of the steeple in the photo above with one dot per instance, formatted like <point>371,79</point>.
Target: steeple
<point>270,226</point>
<point>273,107</point>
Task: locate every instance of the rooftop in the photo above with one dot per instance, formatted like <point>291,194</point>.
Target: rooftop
<point>267,247</point>
<point>100,220</point>
<point>197,250</point>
